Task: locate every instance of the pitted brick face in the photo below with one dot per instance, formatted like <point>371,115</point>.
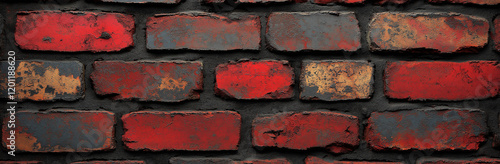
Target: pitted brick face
<point>180,160</point>
<point>335,132</point>
<point>316,160</point>
<point>336,80</point>
<point>45,80</point>
<point>449,81</point>
<point>323,31</point>
<point>62,130</point>
<point>190,131</point>
<point>164,81</point>
<point>482,160</point>
<point>428,32</point>
<point>252,80</point>
<point>74,31</point>
<point>202,31</point>
<point>439,129</point>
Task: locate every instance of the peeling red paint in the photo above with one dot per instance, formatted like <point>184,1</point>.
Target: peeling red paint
<point>74,31</point>
<point>165,81</point>
<point>202,31</point>
<point>265,79</point>
<point>438,128</point>
<point>428,32</point>
<point>316,160</point>
<point>481,160</point>
<point>442,80</point>
<point>336,132</point>
<point>191,131</point>
<point>110,162</point>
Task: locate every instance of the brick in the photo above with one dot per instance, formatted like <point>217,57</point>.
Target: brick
<point>180,160</point>
<point>109,162</point>
<point>21,162</point>
<point>475,2</point>
<point>55,31</point>
<point>439,128</point>
<point>496,33</point>
<point>316,160</point>
<point>63,130</point>
<point>333,80</point>
<point>45,80</point>
<point>322,30</point>
<point>164,81</point>
<point>427,32</point>
<point>264,79</point>
<point>202,31</point>
<point>190,131</point>
<point>326,2</point>
<point>481,160</point>
<point>143,1</point>
<point>449,81</point>
<point>335,132</point>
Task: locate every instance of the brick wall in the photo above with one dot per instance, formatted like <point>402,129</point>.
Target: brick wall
<point>253,81</point>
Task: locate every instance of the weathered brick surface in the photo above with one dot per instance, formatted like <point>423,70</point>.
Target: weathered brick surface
<point>333,80</point>
<point>324,2</point>
<point>322,30</point>
<point>165,81</point>
<point>264,79</point>
<point>74,31</point>
<point>316,160</point>
<point>45,80</point>
<point>336,132</point>
<point>180,160</point>
<point>191,131</point>
<point>62,130</point>
<point>481,160</point>
<point>202,31</point>
<point>437,80</point>
<point>476,2</point>
<point>431,32</point>
<point>143,1</point>
<point>439,128</point>
<point>109,162</point>
<point>496,33</point>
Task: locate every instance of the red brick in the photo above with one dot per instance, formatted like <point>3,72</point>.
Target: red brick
<point>448,81</point>
<point>333,80</point>
<point>143,1</point>
<point>45,80</point>
<point>336,132</point>
<point>439,128</point>
<point>264,79</point>
<point>476,2</point>
<point>55,31</point>
<point>496,33</point>
<point>322,30</point>
<point>316,160</point>
<point>165,81</point>
<point>109,162</point>
<point>325,2</point>
<point>62,130</point>
<point>202,31</point>
<point>481,160</point>
<point>191,131</point>
<point>21,162</point>
<point>178,160</point>
<point>427,32</point>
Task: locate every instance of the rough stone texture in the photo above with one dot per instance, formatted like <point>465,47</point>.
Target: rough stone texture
<point>322,30</point>
<point>481,160</point>
<point>165,81</point>
<point>336,132</point>
<point>143,1</point>
<point>109,162</point>
<point>325,2</point>
<point>180,160</point>
<point>250,80</point>
<point>202,31</point>
<point>496,33</point>
<point>476,2</point>
<point>333,80</point>
<point>450,81</point>
<point>62,130</point>
<point>45,80</point>
<point>439,128</point>
<point>56,31</point>
<point>191,131</point>
<point>427,32</point>
<point>316,160</point>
